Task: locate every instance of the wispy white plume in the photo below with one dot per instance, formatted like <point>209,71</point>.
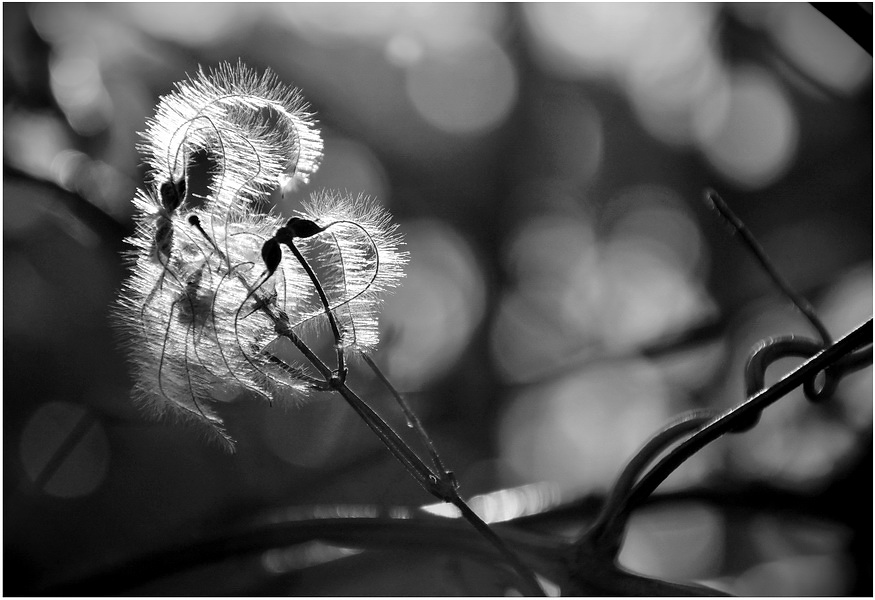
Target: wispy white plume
<point>258,130</point>
<point>201,310</point>
<point>359,258</point>
<point>185,338</point>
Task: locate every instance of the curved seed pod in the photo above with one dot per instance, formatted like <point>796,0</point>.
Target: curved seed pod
<point>358,257</point>
<point>258,131</point>
<point>188,344</point>
<point>210,286</point>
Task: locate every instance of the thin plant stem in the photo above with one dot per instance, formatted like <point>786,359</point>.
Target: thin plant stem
<point>437,486</point>
<point>757,250</point>
<point>605,535</point>
<point>412,419</point>
<point>467,513</point>
<point>429,480</point>
<point>533,588</point>
<point>727,421</point>
<point>441,486</point>
<point>332,320</point>
<point>271,532</point>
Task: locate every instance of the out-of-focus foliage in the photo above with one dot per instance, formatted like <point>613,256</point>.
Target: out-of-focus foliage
<point>546,163</point>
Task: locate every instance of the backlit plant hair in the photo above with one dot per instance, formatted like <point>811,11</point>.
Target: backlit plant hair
<point>355,248</point>
<point>222,299</point>
<point>258,131</point>
<point>191,266</point>
<point>205,325</point>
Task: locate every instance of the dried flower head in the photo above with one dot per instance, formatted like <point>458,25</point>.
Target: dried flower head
<point>359,253</point>
<point>186,342</point>
<point>213,307</point>
<point>258,130</point>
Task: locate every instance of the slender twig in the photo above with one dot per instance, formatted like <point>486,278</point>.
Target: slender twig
<point>532,587</point>
<point>412,419</point>
<point>421,533</point>
<point>411,461</point>
<point>332,320</point>
<point>754,246</point>
<point>441,487</point>
<point>606,533</point>
<point>726,422</point>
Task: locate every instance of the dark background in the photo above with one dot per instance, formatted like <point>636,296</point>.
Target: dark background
<point>547,166</point>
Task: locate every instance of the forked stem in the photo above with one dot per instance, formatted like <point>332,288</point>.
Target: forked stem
<point>441,487</point>
<point>412,419</point>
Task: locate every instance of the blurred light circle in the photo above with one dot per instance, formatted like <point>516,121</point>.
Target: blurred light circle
<point>795,575</point>
<point>645,296</point>
<point>548,245</point>
<point>580,39</point>
<point>64,449</point>
<point>750,134</point>
<point>579,432</point>
<point>657,216</point>
<point>619,39</point>
<point>532,332</point>
<point>696,534</point>
<point>673,67</point>
<point>666,104</point>
<point>431,317</point>
<point>573,137</point>
<point>77,84</point>
<point>429,23</point>
<point>528,340</point>
<point>575,295</point>
<point>468,88</point>
<point>404,50</point>
<point>32,141</point>
<point>191,23</point>
<point>308,435</point>
<point>819,47</point>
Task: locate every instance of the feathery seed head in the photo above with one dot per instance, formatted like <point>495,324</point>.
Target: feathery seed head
<point>211,293</point>
<point>258,130</point>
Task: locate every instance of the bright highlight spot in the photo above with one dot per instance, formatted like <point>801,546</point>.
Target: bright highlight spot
<point>750,134</point>
<point>681,543</point>
<point>580,431</point>
<point>465,89</point>
<point>192,23</point>
<point>577,296</point>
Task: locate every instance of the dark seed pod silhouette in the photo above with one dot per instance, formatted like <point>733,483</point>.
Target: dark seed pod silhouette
<point>172,196</point>
<point>303,228</point>
<point>271,254</point>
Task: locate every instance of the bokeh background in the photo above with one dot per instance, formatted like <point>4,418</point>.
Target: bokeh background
<point>547,164</point>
